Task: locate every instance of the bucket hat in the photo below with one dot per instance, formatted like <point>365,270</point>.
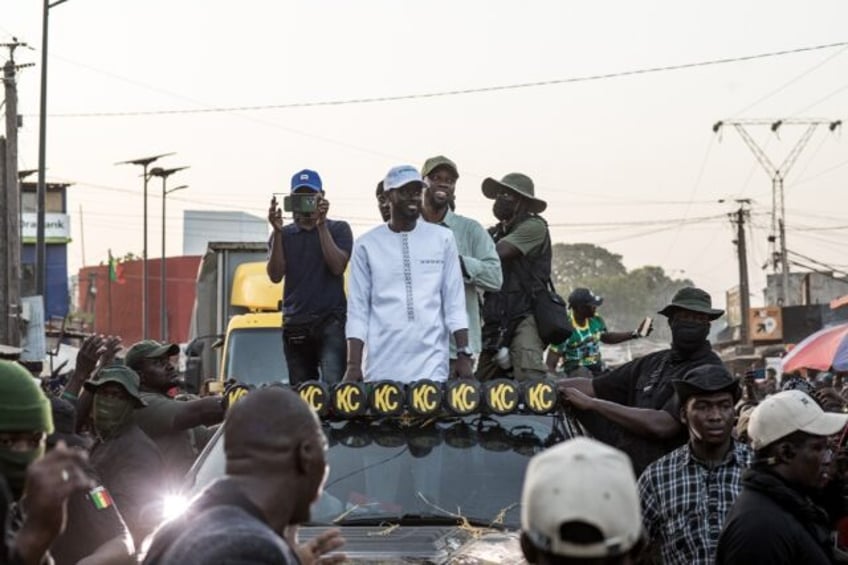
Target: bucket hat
<point>520,184</point>
<point>693,299</point>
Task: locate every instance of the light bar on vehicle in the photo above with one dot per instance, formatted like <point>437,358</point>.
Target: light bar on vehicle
<point>459,397</point>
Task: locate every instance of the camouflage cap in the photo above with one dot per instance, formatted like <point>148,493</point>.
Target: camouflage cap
<point>434,163</point>
<point>148,349</point>
<point>118,374</point>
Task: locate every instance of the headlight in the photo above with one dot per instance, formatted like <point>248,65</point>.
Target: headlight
<point>173,505</point>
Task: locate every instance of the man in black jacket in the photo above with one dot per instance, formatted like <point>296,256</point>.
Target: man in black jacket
<point>635,404</point>
<point>774,521</point>
<point>276,467</point>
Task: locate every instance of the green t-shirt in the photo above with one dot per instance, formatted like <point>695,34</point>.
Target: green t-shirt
<point>528,235</point>
<point>583,347</point>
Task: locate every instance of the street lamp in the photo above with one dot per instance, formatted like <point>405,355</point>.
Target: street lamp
<point>144,162</point>
<point>163,304</point>
<point>40,251</point>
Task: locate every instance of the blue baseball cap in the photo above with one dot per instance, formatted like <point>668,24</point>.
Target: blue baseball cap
<point>402,176</point>
<point>306,178</point>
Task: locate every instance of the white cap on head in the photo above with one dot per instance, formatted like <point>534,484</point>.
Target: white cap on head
<point>581,481</point>
<point>401,176</point>
<point>787,412</point>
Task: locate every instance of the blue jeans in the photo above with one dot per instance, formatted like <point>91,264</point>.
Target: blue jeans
<point>317,351</point>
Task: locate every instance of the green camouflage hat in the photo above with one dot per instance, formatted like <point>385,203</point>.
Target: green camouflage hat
<point>118,374</point>
<point>693,299</point>
<point>520,184</point>
<point>148,349</point>
<point>434,163</point>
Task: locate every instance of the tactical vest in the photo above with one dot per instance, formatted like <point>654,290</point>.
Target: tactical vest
<point>523,277</point>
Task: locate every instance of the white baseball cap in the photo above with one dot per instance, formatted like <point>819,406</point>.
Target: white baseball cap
<point>791,411</point>
<point>581,481</point>
<point>401,176</point>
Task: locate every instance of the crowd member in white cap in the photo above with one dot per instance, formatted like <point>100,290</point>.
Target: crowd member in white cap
<point>406,295</point>
<point>580,505</point>
<point>774,521</point>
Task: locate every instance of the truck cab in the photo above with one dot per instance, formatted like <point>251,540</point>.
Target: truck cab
<point>252,352</point>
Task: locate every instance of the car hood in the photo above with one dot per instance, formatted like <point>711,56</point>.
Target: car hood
<point>426,544</point>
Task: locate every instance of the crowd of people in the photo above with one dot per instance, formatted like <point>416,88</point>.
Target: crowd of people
<point>424,302</point>
<point>684,462</point>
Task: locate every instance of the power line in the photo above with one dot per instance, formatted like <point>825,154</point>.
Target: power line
<point>458,92</point>
<point>792,81</point>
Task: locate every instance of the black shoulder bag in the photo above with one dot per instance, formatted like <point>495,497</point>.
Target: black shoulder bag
<point>551,312</point>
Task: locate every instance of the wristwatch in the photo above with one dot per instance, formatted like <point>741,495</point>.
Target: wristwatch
<point>466,351</point>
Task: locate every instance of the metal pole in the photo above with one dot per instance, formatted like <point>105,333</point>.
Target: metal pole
<point>744,292</point>
<point>784,257</point>
<point>144,322</point>
<point>163,314</point>
<point>40,251</point>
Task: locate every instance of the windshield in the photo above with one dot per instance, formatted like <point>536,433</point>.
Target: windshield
<point>255,356</point>
<point>406,471</point>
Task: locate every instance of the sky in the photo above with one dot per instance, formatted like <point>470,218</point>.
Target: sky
<point>630,163</point>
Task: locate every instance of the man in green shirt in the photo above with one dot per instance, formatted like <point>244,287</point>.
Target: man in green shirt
<point>481,267</point>
<point>581,352</point>
<point>511,341</point>
<point>179,428</point>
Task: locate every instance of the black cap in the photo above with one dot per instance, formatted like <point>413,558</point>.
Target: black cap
<point>580,296</point>
<point>706,379</point>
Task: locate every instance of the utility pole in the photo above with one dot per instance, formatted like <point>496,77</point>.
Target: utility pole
<point>144,162</point>
<point>10,212</point>
<point>163,297</point>
<point>739,218</point>
<point>777,175</point>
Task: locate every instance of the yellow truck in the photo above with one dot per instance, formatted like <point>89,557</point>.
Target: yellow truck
<point>253,346</point>
<point>236,326</point>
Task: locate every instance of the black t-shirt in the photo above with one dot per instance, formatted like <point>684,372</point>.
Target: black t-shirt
<point>311,290</point>
<point>93,519</point>
<point>646,383</point>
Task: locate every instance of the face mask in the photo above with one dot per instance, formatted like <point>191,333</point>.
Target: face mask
<point>504,210</point>
<point>688,335</point>
<point>13,466</point>
<point>110,414</point>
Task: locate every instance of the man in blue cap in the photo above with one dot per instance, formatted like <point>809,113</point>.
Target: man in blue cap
<point>312,254</point>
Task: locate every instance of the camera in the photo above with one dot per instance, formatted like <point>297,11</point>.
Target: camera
<point>301,203</point>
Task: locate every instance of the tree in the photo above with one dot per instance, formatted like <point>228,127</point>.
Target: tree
<point>628,296</point>
<point>575,263</point>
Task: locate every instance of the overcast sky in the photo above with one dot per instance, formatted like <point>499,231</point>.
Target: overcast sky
<point>629,163</point>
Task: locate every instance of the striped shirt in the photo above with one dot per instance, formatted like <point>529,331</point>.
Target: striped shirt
<point>685,501</point>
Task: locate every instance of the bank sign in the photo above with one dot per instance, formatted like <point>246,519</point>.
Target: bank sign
<point>57,228</point>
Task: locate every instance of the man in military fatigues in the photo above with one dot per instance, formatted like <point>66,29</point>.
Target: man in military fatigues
<point>125,458</point>
<point>179,428</point>
<point>638,409</point>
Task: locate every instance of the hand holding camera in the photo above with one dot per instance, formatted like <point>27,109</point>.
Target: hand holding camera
<point>275,215</point>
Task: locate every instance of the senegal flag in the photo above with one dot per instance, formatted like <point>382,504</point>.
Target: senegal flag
<point>100,497</point>
<point>116,270</point>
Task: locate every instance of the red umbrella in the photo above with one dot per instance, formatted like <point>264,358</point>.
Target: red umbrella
<point>824,349</point>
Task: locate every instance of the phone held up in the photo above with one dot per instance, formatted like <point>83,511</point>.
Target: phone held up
<point>300,203</point>
<point>645,327</point>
